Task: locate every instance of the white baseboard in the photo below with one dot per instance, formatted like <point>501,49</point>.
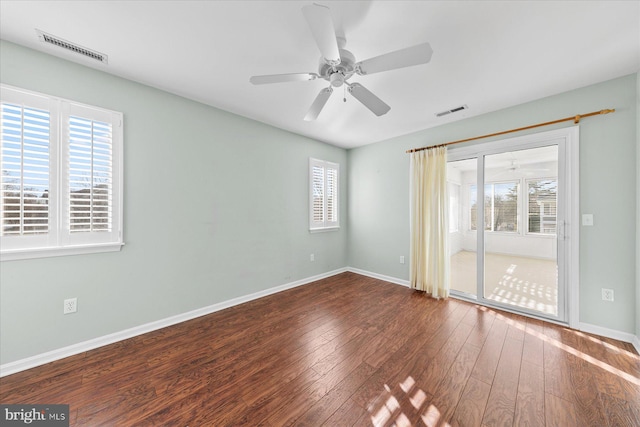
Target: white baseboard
<point>636,343</point>
<point>585,327</point>
<point>379,276</point>
<point>610,333</point>
<point>61,353</point>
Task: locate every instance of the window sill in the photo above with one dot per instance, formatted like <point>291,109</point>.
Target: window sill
<point>541,235</point>
<point>33,253</point>
<point>323,229</point>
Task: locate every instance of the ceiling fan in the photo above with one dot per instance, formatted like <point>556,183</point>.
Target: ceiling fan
<point>516,168</point>
<point>338,65</point>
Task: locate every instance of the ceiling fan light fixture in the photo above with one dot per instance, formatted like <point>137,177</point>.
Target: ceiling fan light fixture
<point>336,79</point>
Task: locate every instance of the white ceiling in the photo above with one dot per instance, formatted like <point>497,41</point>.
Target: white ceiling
<point>487,54</point>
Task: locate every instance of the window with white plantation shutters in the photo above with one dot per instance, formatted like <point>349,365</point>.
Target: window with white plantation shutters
<point>332,195</point>
<point>317,194</point>
<point>90,176</point>
<point>61,183</point>
<point>323,194</point>
<point>24,188</point>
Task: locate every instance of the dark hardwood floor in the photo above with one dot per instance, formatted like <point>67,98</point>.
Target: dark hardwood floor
<point>347,350</point>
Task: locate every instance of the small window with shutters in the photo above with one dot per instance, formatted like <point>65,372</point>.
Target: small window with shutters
<point>61,183</point>
<point>323,195</point>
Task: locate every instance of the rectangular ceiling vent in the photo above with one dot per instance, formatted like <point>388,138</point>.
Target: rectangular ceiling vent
<point>453,110</point>
<point>57,41</point>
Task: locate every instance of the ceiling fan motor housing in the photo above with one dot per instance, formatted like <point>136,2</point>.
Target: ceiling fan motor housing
<point>338,74</point>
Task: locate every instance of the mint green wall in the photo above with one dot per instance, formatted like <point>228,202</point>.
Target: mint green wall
<point>638,206</point>
<point>216,207</point>
<point>379,193</point>
<point>203,224</point>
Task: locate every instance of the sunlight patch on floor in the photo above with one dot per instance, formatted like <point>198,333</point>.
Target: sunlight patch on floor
<point>529,283</point>
<point>567,348</point>
<point>390,410</point>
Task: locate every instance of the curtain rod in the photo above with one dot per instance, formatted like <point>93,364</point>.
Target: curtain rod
<point>576,119</point>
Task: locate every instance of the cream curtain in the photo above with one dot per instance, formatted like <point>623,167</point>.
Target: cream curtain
<point>429,222</point>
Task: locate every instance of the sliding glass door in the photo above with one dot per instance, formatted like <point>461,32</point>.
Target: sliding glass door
<point>463,242</point>
<point>507,216</point>
<point>520,229</point>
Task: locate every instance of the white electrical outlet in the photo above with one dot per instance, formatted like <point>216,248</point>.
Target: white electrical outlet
<point>607,294</point>
<point>401,259</point>
<point>70,306</point>
<point>312,257</point>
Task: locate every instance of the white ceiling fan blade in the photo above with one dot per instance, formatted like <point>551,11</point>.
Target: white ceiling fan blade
<point>319,19</point>
<point>501,174</point>
<point>280,78</point>
<point>414,55</point>
<point>368,99</point>
<point>318,104</point>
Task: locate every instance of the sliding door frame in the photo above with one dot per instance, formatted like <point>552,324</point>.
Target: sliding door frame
<point>567,140</point>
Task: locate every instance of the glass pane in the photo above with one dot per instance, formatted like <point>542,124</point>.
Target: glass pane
<point>462,176</point>
<point>318,193</point>
<point>24,167</point>
<point>542,201</point>
<point>90,175</point>
<point>332,194</point>
<point>504,212</point>
<point>520,249</point>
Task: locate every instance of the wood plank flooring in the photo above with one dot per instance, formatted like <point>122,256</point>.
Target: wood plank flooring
<point>346,351</point>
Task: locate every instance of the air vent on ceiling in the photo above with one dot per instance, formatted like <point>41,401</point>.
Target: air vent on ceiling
<point>453,110</point>
<point>57,41</point>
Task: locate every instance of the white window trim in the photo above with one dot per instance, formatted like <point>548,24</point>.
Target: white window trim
<point>320,226</point>
<point>57,242</point>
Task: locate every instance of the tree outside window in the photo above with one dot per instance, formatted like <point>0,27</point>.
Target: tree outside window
<point>500,207</point>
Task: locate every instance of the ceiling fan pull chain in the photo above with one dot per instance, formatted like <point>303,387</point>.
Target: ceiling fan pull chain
<point>344,96</point>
